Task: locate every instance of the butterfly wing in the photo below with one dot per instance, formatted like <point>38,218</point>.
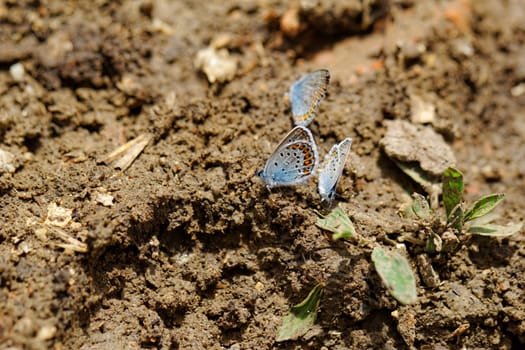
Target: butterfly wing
<point>332,168</point>
<point>293,161</point>
<point>299,133</point>
<point>306,94</point>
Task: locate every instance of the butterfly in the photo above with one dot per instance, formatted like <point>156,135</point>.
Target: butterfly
<point>293,161</point>
<point>306,94</point>
<point>332,168</point>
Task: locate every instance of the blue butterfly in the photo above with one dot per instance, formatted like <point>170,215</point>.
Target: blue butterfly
<point>293,161</point>
<point>332,168</point>
<point>306,94</point>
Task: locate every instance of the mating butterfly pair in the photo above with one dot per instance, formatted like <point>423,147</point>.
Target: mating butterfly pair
<point>296,158</point>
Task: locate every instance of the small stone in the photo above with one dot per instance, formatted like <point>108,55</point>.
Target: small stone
<point>411,51</point>
<point>58,216</point>
<point>102,197</point>
<point>290,24</point>
<point>217,65</point>
<point>490,174</point>
<point>6,162</point>
<point>462,47</point>
<point>26,248</point>
<point>518,90</point>
<point>17,72</point>
<point>28,157</point>
<point>421,112</point>
<point>46,332</point>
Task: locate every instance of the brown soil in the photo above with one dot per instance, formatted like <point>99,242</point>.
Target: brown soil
<point>193,252</point>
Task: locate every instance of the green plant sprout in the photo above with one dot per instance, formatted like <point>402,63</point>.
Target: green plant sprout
<point>336,222</point>
<point>396,274</point>
<point>475,220</point>
<point>301,317</point>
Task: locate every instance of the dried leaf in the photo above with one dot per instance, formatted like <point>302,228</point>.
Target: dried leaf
<point>124,155</point>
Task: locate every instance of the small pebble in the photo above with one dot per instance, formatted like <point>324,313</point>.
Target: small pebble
<point>518,90</point>
<point>217,65</point>
<point>490,173</point>
<point>104,199</point>
<point>411,51</point>
<point>422,112</point>
<point>462,47</point>
<point>6,162</point>
<point>17,72</point>
<point>46,332</point>
<point>290,24</point>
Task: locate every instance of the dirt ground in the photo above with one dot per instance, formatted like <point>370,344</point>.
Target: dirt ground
<point>186,248</point>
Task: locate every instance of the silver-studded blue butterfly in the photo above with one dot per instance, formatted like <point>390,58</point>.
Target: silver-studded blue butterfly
<point>293,161</point>
<point>332,168</point>
<point>306,94</point>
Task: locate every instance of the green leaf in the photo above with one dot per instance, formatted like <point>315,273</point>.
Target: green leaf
<point>495,230</point>
<point>301,317</point>
<point>337,222</point>
<point>483,206</point>
<point>453,187</point>
<point>420,207</point>
<point>396,274</point>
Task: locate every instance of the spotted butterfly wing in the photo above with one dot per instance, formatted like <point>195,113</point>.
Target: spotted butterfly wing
<point>293,161</point>
<point>306,94</point>
<point>332,168</point>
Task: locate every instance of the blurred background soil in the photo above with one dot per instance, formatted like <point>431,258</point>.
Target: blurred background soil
<point>186,248</point>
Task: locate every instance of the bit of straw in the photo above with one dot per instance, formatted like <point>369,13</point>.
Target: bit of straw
<point>123,156</point>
